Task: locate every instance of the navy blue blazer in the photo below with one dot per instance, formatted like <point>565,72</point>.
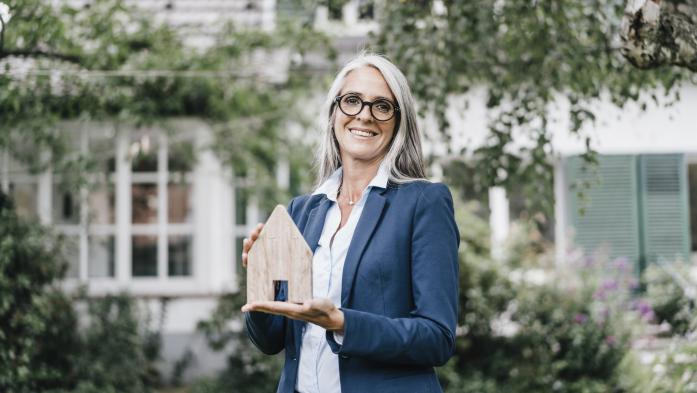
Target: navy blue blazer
<point>399,292</point>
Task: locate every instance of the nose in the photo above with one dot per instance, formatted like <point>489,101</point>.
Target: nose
<point>365,113</point>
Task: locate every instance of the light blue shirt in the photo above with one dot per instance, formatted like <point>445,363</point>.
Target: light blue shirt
<point>318,371</point>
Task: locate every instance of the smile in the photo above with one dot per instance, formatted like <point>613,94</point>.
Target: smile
<point>363,133</point>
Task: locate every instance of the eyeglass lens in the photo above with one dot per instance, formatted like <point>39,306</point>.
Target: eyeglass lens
<point>352,105</point>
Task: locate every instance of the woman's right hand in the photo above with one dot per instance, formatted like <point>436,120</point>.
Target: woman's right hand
<point>248,241</point>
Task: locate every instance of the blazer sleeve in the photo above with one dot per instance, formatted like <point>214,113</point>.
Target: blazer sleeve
<point>267,331</point>
<point>427,336</point>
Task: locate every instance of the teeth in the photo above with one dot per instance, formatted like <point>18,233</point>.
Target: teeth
<point>362,133</point>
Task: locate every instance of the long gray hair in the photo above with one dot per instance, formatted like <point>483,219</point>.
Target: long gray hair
<point>404,158</point>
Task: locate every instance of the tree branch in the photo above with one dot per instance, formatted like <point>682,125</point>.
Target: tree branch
<point>654,34</point>
<point>39,53</point>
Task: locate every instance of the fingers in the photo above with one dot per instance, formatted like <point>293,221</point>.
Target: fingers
<point>279,308</point>
<point>256,231</point>
<point>247,242</point>
<point>315,311</point>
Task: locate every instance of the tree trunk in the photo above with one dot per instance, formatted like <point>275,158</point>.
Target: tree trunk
<point>660,32</point>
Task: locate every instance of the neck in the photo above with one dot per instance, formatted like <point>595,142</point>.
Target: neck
<point>356,177</point>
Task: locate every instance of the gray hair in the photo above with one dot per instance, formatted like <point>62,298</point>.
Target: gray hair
<point>404,158</point>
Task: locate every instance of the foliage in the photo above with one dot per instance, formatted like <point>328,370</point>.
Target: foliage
<point>561,331</point>
<point>43,347</point>
<point>118,351</point>
<point>110,61</point>
<point>668,300</point>
<point>34,314</point>
<point>248,370</point>
<point>540,63</point>
<point>675,370</point>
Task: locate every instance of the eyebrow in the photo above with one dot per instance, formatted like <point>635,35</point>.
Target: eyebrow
<point>363,96</point>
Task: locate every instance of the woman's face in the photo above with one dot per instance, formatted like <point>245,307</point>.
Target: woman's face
<point>362,137</point>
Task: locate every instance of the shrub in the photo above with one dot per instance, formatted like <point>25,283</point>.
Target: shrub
<point>248,369</point>
<point>669,301</point>
<point>43,348</point>
<point>37,322</point>
<point>568,332</point>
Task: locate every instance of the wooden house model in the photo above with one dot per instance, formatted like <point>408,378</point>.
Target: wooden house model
<point>279,254</point>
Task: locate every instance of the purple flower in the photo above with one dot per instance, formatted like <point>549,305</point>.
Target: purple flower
<point>609,285</point>
<point>599,294</point>
<point>644,308</point>
<point>621,263</point>
<point>580,318</point>
<point>611,341</point>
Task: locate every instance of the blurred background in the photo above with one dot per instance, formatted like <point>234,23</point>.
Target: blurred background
<point>140,141</point>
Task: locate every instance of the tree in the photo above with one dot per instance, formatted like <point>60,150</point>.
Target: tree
<point>534,58</point>
<point>109,61</point>
<point>656,32</point>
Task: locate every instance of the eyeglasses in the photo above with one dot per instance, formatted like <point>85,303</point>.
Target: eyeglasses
<point>352,104</point>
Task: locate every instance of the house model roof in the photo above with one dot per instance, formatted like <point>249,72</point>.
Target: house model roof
<point>279,254</point>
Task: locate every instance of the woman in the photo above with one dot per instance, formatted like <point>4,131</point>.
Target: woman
<point>385,251</point>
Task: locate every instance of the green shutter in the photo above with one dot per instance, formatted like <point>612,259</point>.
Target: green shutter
<point>606,218</point>
<point>664,207</point>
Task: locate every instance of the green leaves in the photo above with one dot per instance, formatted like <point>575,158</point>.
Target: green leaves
<point>109,61</point>
<point>528,55</point>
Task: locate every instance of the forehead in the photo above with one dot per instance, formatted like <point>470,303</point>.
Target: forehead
<point>367,81</point>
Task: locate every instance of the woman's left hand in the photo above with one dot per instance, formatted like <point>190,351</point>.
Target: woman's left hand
<point>321,311</point>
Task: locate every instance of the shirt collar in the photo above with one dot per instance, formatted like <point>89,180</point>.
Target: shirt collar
<point>330,187</point>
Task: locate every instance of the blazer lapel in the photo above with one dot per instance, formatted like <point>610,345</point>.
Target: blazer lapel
<point>311,233</point>
<point>364,231</point>
<point>315,223</point>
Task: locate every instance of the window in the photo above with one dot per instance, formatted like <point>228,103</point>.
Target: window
<point>366,9</point>
<point>132,218</point>
<point>24,192</point>
<point>101,205</point>
<point>179,255</point>
<point>335,9</point>
<point>101,256</point>
<point>161,213</point>
<point>71,254</point>
<point>66,204</point>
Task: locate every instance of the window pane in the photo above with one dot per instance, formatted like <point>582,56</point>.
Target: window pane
<point>179,256</point>
<point>241,200</point>
<point>366,9</point>
<point>335,10</point>
<point>181,157</point>
<point>103,152</point>
<point>143,153</point>
<point>144,256</point>
<point>24,196</point>
<point>179,202</point>
<point>238,257</point>
<point>101,256</point>
<point>71,253</point>
<point>102,204</point>
<point>144,203</point>
<point>66,205</point>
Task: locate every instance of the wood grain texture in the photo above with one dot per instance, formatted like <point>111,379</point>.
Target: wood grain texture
<point>279,254</point>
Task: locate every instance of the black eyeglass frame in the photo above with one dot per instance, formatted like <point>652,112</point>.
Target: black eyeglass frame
<point>337,102</point>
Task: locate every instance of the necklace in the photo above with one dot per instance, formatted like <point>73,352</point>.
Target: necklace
<point>351,202</point>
